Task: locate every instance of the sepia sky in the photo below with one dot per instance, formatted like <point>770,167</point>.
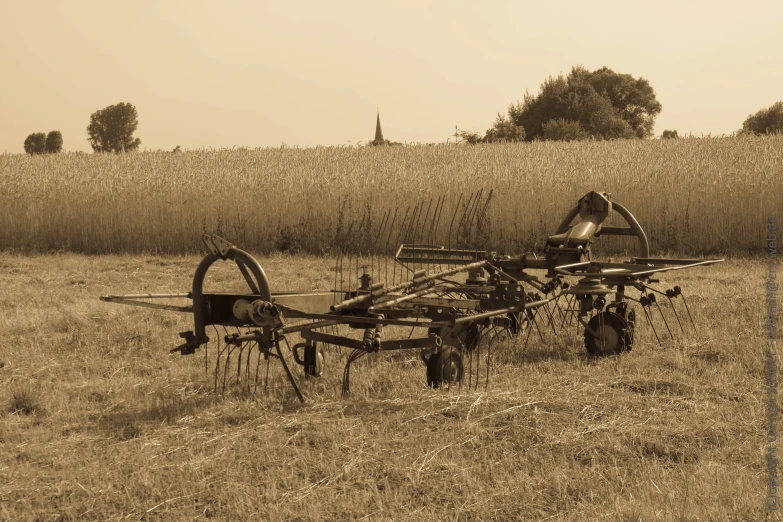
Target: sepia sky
<point>220,74</point>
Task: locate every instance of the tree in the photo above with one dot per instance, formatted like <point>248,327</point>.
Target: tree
<point>765,121</point>
<point>669,134</point>
<point>470,137</point>
<point>54,142</point>
<point>606,104</point>
<point>563,130</point>
<point>503,130</point>
<point>35,143</point>
<point>111,129</point>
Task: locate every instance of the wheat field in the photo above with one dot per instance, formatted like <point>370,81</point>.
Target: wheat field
<point>696,195</point>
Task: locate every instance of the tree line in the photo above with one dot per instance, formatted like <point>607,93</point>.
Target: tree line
<point>600,104</point>
<point>110,130</point>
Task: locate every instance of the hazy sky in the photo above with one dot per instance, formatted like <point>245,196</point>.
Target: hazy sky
<point>219,74</point>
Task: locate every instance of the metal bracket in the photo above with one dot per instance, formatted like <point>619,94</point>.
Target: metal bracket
<point>218,246</point>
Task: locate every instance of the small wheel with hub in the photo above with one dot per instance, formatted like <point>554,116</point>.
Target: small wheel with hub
<point>313,361</point>
<point>445,368</point>
<point>613,334</point>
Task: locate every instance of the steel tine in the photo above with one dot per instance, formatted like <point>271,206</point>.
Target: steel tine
<point>451,226</point>
<point>665,323</point>
<point>388,240</point>
<point>551,318</point>
<point>225,370</point>
<point>516,338</point>
<point>258,367</point>
<point>462,358</point>
<point>411,232</point>
<point>567,312</point>
<point>409,224</point>
<point>420,230</point>
<point>469,219</point>
<point>336,265</point>
<point>434,221</point>
<point>561,314</point>
<point>463,222</point>
<point>415,226</point>
<point>572,317</point>
<point>676,315</point>
<point>600,331</point>
<point>342,286</point>
<point>478,359</point>
<point>424,221</point>
<point>649,319</point>
<point>470,368</point>
<point>472,219</point>
<point>436,227</point>
<point>397,241</point>
<point>266,377</point>
<point>239,363</point>
<point>689,311</point>
<point>480,221</point>
<point>538,330</point>
<point>489,359</point>
<point>475,220</point>
<point>437,221</point>
<point>375,245</point>
<point>529,331</point>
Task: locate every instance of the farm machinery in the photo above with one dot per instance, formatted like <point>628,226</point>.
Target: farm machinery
<point>454,302</point>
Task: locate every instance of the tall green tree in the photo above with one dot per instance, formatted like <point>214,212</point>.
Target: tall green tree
<point>35,143</point>
<point>54,142</point>
<point>605,104</point>
<point>111,129</point>
<point>765,121</point>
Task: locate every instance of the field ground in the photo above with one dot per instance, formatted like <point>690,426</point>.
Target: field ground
<point>100,422</point>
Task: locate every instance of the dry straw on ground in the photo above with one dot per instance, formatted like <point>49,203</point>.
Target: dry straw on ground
<point>691,195</point>
<point>126,431</point>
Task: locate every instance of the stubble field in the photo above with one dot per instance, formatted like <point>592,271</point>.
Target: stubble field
<point>109,426</point>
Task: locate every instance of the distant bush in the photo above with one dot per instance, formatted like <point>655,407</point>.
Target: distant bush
<point>54,142</point>
<point>669,134</point>
<point>40,143</point>
<point>35,143</point>
<point>765,121</point>
<point>502,131</point>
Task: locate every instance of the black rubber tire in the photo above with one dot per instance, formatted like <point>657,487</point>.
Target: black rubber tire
<point>616,333</point>
<point>449,368</point>
<point>313,360</point>
<point>432,363</point>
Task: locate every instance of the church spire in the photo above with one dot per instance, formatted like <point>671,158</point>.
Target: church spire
<point>378,132</point>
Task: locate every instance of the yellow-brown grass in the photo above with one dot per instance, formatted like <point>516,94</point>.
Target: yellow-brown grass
<point>123,430</point>
<point>691,195</point>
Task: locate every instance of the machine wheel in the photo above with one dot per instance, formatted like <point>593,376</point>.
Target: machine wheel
<point>312,361</point>
<point>445,368</point>
<point>615,334</point>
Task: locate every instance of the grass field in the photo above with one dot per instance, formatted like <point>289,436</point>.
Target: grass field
<point>99,422</point>
<point>699,196</point>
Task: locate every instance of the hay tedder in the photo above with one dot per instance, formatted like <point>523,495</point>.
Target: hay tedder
<point>459,300</point>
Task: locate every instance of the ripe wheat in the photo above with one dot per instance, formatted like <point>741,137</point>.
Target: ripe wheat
<point>700,196</point>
